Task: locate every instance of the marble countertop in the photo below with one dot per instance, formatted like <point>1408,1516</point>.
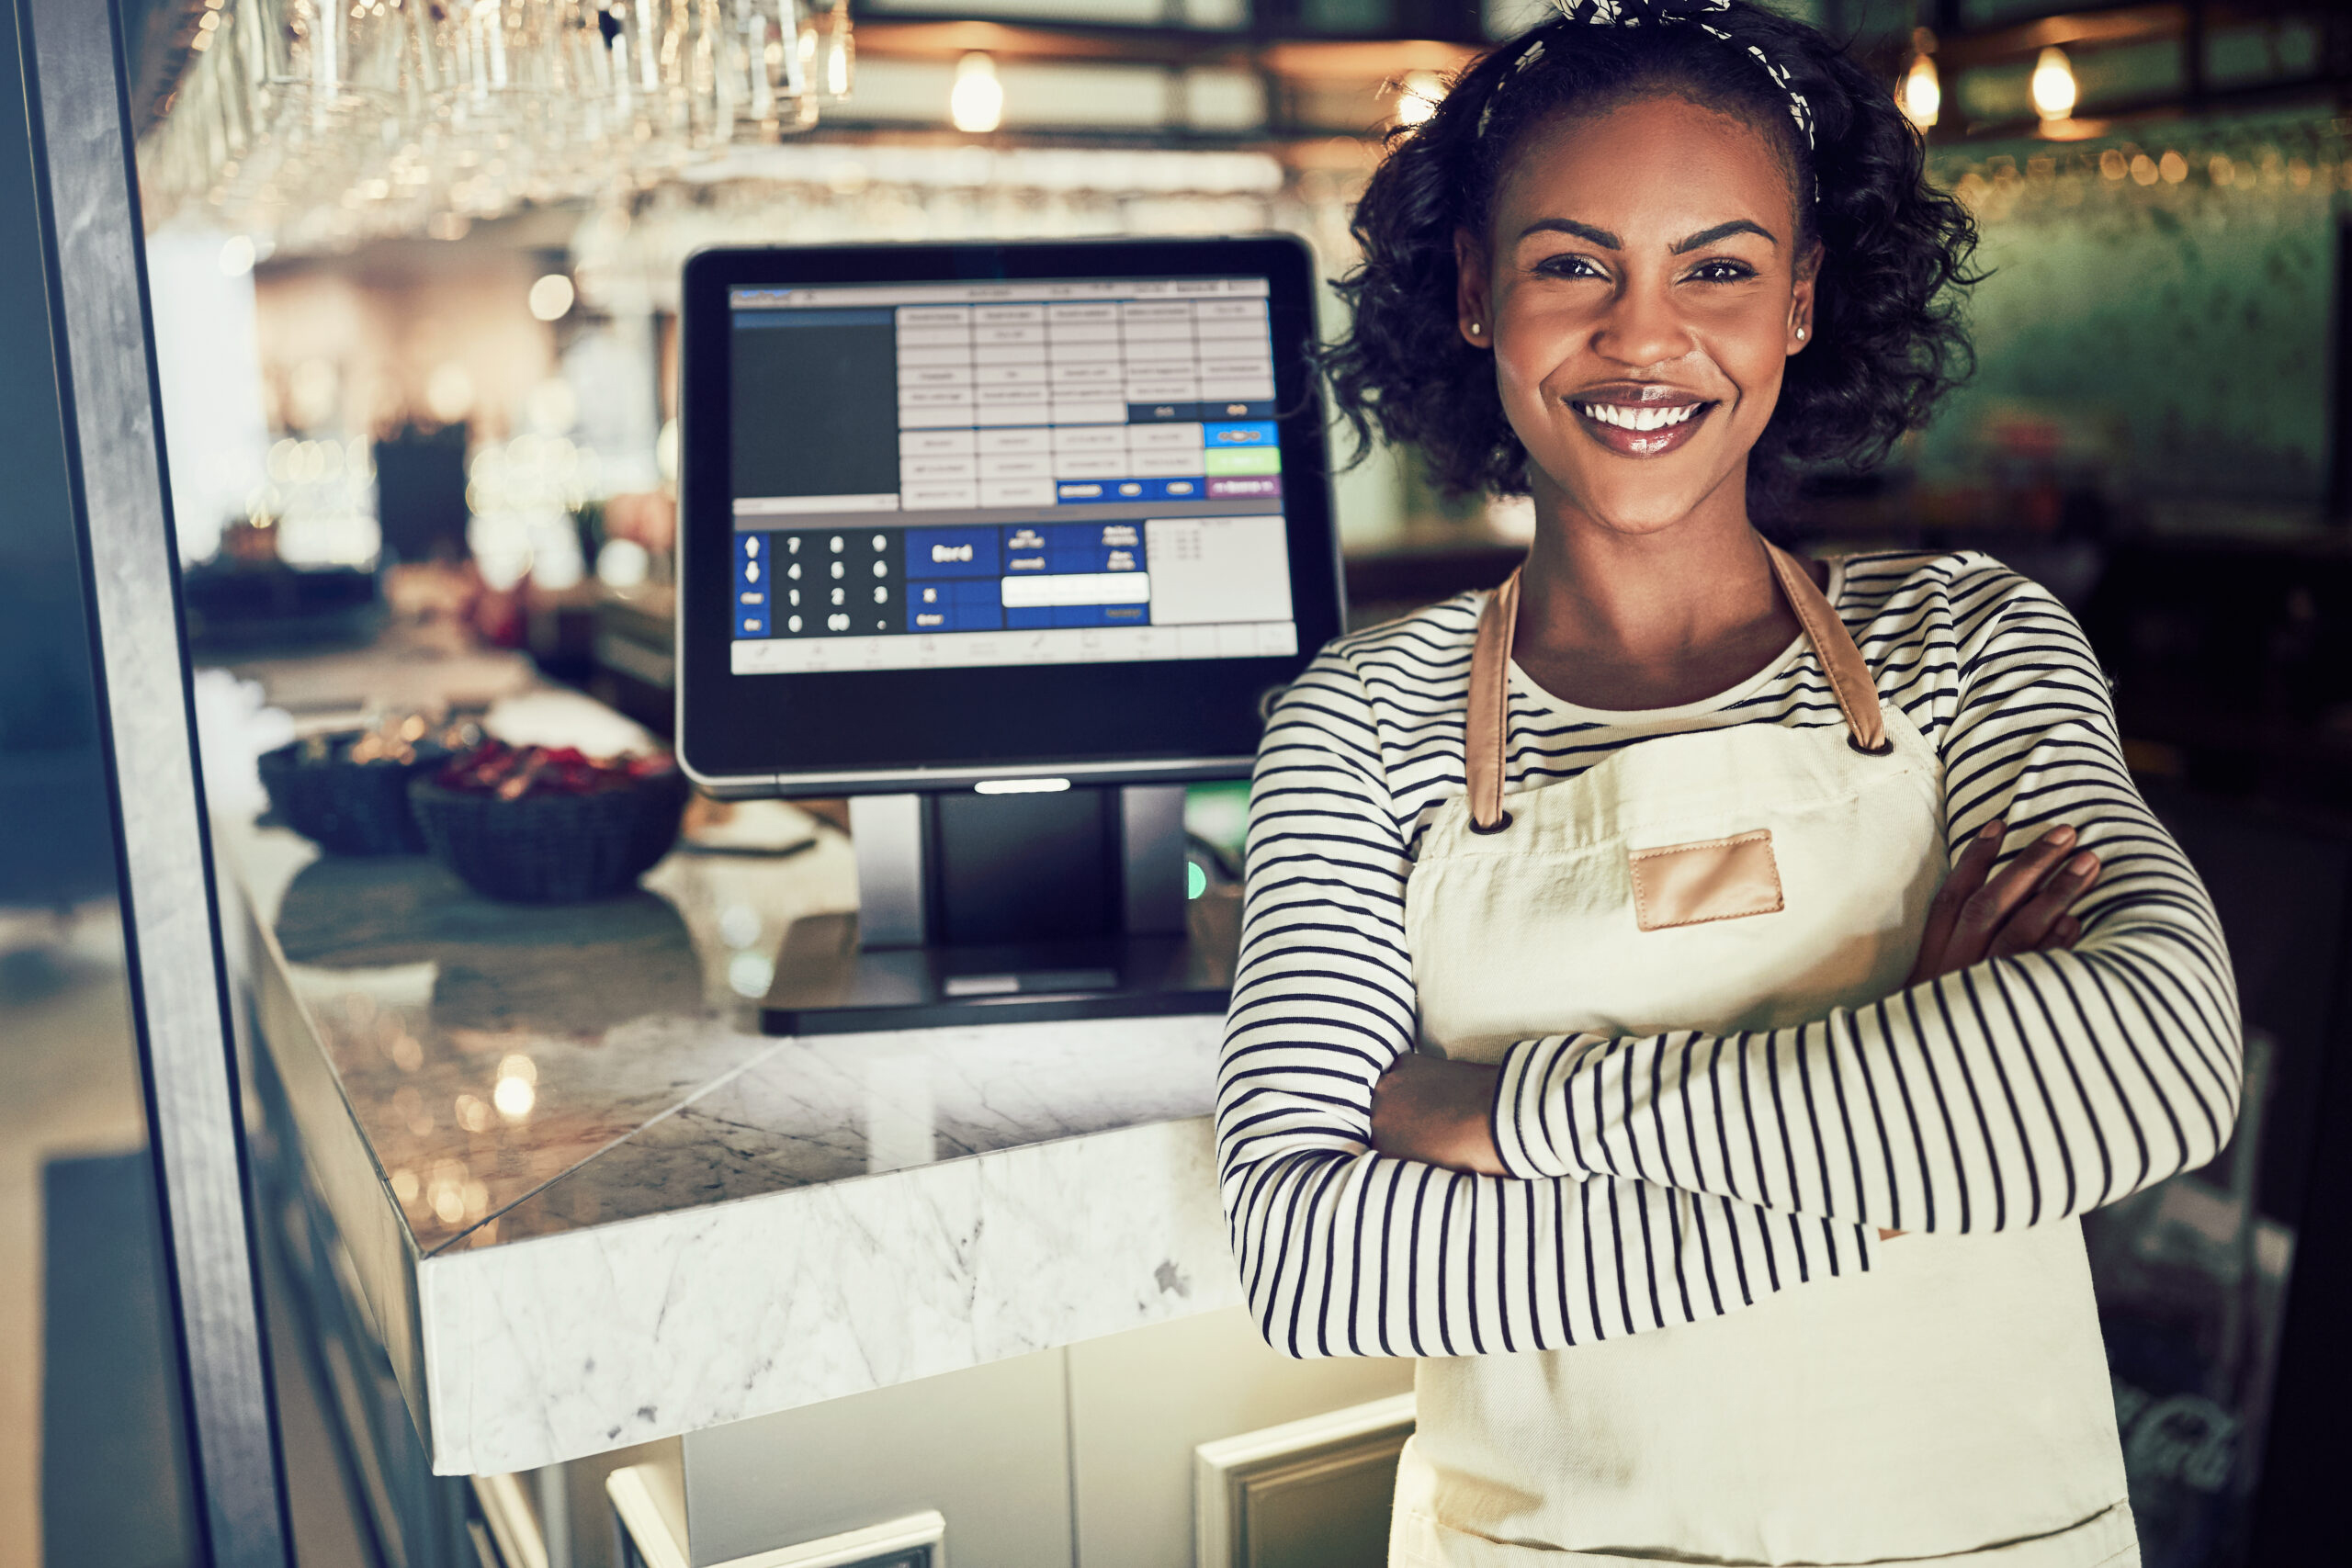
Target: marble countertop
<point>589,1204</point>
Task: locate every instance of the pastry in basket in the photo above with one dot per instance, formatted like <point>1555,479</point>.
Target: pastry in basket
<point>549,825</point>
<point>348,791</point>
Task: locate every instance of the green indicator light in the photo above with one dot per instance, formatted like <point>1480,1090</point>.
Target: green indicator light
<point>1197,881</point>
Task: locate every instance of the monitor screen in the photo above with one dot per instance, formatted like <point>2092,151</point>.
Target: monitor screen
<point>1073,471</point>
<point>1113,465</point>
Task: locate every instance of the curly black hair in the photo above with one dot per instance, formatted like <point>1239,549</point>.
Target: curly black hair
<point>1888,342</point>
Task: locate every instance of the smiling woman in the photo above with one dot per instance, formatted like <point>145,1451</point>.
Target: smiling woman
<point>1665,331</point>
<point>1879,250</point>
<point>1689,995</point>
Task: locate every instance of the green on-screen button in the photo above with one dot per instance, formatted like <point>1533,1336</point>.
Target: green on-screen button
<point>1223,461</point>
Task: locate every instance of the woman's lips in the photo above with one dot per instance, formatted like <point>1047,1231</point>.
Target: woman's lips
<point>1648,428</point>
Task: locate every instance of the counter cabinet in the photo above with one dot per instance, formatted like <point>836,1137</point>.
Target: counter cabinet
<point>546,1204</point>
<point>1084,1454</point>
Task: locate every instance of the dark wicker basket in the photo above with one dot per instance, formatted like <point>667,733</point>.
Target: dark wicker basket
<point>347,807</point>
<point>551,848</point>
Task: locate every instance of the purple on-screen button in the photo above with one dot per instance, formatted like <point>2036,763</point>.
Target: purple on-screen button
<point>1255,487</point>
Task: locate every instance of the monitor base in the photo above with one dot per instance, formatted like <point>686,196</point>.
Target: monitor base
<point>826,984</point>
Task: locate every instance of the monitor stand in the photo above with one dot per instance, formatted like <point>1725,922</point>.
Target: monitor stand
<point>1010,909</point>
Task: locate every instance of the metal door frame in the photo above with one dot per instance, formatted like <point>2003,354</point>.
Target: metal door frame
<point>102,342</point>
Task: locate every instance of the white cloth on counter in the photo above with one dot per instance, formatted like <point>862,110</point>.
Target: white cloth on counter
<point>555,716</point>
<point>234,725</point>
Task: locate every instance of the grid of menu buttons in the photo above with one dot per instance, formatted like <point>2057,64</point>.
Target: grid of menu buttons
<point>1003,405</point>
<point>816,583</point>
<point>1027,576</point>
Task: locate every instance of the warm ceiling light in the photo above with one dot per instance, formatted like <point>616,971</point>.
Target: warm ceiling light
<point>1417,95</point>
<point>550,296</point>
<point>1923,94</point>
<point>976,101</point>
<point>2052,85</point>
<point>450,392</point>
<point>835,56</point>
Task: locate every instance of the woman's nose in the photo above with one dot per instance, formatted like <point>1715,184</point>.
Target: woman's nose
<point>1641,329</point>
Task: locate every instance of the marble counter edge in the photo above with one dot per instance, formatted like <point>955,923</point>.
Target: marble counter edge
<point>340,1165</point>
<point>565,1345</point>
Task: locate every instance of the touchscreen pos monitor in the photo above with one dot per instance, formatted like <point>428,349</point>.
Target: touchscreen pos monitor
<point>1006,542</point>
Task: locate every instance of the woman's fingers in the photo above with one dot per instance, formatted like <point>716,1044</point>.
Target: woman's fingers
<point>1960,885</point>
<point>1989,908</point>
<point>2064,931</point>
<point>1979,913</point>
<point>2029,925</point>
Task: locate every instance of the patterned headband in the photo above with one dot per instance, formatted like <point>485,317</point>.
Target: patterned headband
<point>1657,13</point>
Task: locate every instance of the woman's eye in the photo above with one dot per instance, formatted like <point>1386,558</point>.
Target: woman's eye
<point>1569,267</point>
<point>1721,272</point>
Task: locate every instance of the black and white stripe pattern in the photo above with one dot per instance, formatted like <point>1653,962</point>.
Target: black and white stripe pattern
<point>1668,1180</point>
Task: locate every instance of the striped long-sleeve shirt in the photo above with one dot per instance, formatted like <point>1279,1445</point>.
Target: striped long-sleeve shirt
<point>2017,1091</point>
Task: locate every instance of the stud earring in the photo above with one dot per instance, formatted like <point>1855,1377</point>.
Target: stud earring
<point>1477,329</point>
<point>1800,334</point>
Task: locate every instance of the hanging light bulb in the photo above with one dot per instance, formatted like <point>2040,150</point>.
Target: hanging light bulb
<point>1923,94</point>
<point>837,64</point>
<point>550,298</point>
<point>1417,95</point>
<point>976,101</point>
<point>827,56</point>
<point>2053,86</point>
<point>837,59</point>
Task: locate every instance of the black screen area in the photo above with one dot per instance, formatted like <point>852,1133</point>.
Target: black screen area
<point>816,403</point>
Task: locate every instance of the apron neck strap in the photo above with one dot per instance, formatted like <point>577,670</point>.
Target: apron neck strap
<point>1486,725</point>
<point>1850,677</point>
<point>1483,728</point>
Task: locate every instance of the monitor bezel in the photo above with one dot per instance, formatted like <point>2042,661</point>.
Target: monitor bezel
<point>1205,712</point>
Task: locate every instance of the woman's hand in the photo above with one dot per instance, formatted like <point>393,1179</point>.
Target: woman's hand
<point>2022,909</point>
<point>1439,1112</point>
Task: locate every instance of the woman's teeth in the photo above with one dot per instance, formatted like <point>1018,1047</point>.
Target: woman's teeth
<point>1648,416</point>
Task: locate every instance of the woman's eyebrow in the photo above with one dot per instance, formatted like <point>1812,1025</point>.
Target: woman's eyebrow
<point>1721,231</point>
<point>1609,242</point>
<point>1601,237</point>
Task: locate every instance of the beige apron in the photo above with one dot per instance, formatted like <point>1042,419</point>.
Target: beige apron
<point>1952,1400</point>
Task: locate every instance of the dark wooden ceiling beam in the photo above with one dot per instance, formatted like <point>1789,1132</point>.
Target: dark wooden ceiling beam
<point>2190,24</point>
<point>2022,40</point>
<point>902,36</point>
<point>2112,118</point>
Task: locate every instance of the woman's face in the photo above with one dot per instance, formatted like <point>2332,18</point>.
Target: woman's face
<point>1642,288</point>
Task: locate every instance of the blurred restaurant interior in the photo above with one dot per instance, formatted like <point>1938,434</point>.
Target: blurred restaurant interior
<point>413,270</point>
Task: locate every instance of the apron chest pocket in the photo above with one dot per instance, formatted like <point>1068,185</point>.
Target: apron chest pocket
<point>1714,879</point>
